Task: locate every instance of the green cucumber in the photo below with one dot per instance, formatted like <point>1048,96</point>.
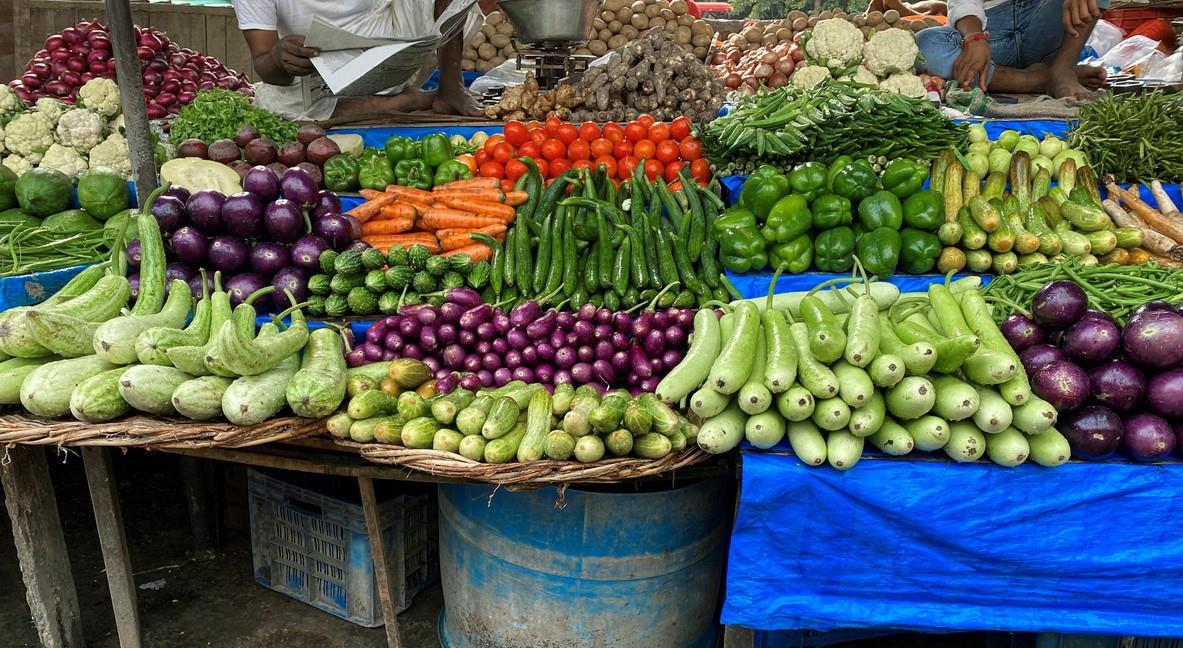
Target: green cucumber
<point>318,387</point>
<point>500,421</point>
<point>371,403</point>
<point>389,429</point>
<point>338,424</point>
<point>505,447</point>
<point>637,419</point>
<point>652,446</point>
<point>412,406</point>
<point>419,433</point>
<point>446,408</point>
<point>149,388</point>
<point>607,416</point>
<point>97,399</point>
<point>538,414</point>
<point>472,447</point>
<point>363,431</point>
<point>559,445</point>
<point>561,399</point>
<point>446,440</point>
<point>620,442</point>
<point>470,419</point>
<point>589,449</point>
<point>200,399</point>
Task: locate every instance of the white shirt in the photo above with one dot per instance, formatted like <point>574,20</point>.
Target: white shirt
<point>959,9</point>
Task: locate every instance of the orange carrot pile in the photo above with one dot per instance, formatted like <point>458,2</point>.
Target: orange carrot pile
<point>443,219</point>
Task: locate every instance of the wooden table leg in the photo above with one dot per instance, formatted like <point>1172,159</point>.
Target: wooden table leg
<point>41,547</point>
<point>104,496</point>
<point>369,502</point>
<point>196,480</point>
<point>738,637</point>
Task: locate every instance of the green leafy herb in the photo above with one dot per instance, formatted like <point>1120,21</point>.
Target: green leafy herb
<point>217,114</point>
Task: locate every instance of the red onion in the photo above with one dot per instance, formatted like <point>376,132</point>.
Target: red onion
<point>170,86</point>
<point>98,56</point>
<point>111,65</point>
<point>54,42</point>
<point>156,111</point>
<point>166,99</point>
<point>76,64</point>
<point>145,53</point>
<point>31,81</point>
<point>71,35</point>
<point>85,76</point>
<point>59,55</point>
<point>39,70</point>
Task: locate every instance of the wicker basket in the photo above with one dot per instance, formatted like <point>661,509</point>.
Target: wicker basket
<point>147,432</point>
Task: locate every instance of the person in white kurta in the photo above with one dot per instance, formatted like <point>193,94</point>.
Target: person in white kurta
<point>274,31</point>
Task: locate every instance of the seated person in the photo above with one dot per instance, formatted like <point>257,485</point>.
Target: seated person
<point>1031,46</point>
<point>907,9</point>
<point>274,32</point>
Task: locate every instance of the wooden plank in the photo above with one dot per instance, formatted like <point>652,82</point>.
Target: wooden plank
<point>199,499</point>
<point>104,497</point>
<point>41,547</point>
<point>738,637</point>
<point>369,503</point>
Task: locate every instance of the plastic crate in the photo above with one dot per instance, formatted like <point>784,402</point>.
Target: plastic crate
<point>313,546</point>
<point>1130,18</point>
<point>814,638</point>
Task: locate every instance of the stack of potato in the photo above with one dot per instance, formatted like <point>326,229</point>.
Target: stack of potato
<point>769,34</point>
<point>491,46</point>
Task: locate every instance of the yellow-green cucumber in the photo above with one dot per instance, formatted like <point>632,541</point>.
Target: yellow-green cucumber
<point>15,337</point>
<point>665,420</point>
<point>13,372</point>
<point>200,399</point>
<point>696,365</point>
<point>561,399</point>
<point>447,440</point>
<point>737,355</point>
<point>150,388</point>
<point>619,442</point>
<point>152,265</point>
<point>152,344</point>
<point>1008,448</point>
<point>862,332</point>
<point>721,433</point>
<point>538,413</point>
<point>928,432</point>
<point>115,339</point>
<point>796,404</point>
<point>892,438</point>
<point>1049,448</point>
<point>97,399</point>
<point>780,368</point>
<point>501,419</point>
<point>337,424</point>
<point>843,449</point>
<point>807,442</point>
<point>446,408</point>
<point>504,448</point>
<point>389,429</point>
<point>472,447</point>
<point>46,390</point>
<point>559,445</point>
<point>470,419</point>
<point>589,448</point>
<point>652,446</point>
<point>607,416</point>
<point>867,420</point>
<point>375,370</point>
<point>371,403</point>
<point>956,400</point>
<point>637,418</point>
<point>363,431</point>
<point>966,442</point>
<point>318,387</point>
<point>754,397</point>
<point>765,429</point>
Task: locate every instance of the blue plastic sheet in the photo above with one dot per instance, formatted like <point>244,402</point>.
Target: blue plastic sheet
<point>1090,548</point>
<point>754,285</point>
<point>377,135</point>
<point>25,290</point>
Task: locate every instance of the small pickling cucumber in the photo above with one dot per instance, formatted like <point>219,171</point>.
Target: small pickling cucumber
<point>637,418</point>
<point>652,446</point>
<point>501,419</point>
<point>561,399</point>
<point>470,419</point>
<point>419,433</point>
<point>472,447</point>
<point>559,445</point>
<point>446,440</point>
<point>619,442</point>
<point>504,448</point>
<point>389,429</point>
<point>150,388</point>
<point>538,423</point>
<point>588,449</point>
<point>338,424</point>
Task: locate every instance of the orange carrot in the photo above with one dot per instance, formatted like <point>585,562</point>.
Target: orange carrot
<point>371,194</point>
<point>468,183</point>
<point>476,251</point>
<point>370,208</point>
<point>515,198</point>
<point>438,218</point>
<point>409,192</point>
<point>386,241</point>
<point>400,210</point>
<point>454,238</point>
<point>481,207</point>
<point>491,195</point>
<point>388,226</point>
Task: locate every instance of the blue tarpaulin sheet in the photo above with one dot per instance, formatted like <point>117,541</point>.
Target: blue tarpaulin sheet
<point>1089,548</point>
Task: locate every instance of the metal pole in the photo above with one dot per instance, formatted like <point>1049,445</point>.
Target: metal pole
<point>131,97</point>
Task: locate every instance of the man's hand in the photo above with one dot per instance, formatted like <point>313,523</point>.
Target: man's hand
<point>974,60</point>
<point>291,55</point>
<point>1079,14</point>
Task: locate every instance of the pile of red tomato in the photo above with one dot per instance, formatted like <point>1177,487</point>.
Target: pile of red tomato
<point>555,145</point>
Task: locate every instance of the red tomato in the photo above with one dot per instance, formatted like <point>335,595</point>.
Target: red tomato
<point>533,125</point>
<point>609,164</point>
<point>538,136</point>
<point>481,157</point>
<point>613,132</point>
<point>507,184</point>
<point>492,170</point>
<point>579,150</point>
<point>653,169</point>
<point>667,151</point>
<point>601,147</point>
<point>551,125</point>
<point>589,131</point>
<point>623,148</point>
<point>558,166</point>
<point>516,133</point>
<point>567,133</point>
<point>580,164</point>
<point>671,171</point>
<point>690,148</point>
<point>700,170</point>
<point>680,128</point>
<point>626,166</point>
<point>503,152</point>
<point>645,120</point>
<point>553,149</point>
<point>493,141</point>
<point>543,167</point>
<point>645,150</point>
<point>635,132</point>
<point>659,132</point>
<point>530,149</point>
<point>515,169</point>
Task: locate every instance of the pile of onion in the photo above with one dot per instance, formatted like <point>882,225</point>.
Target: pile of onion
<point>747,71</point>
<point>172,75</point>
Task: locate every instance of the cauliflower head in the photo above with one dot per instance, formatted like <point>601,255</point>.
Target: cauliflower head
<point>905,83</point>
<point>11,104</point>
<point>891,51</point>
<point>81,128</point>
<point>100,95</point>
<point>51,108</point>
<point>862,75</point>
<point>835,43</point>
<point>29,135</point>
<point>112,153</point>
<point>18,164</point>
<point>809,76</point>
<point>117,125</point>
<point>64,159</point>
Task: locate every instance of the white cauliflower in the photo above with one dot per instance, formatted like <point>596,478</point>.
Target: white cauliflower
<point>905,83</point>
<point>809,76</point>
<point>29,135</point>
<point>10,104</point>
<point>891,51</point>
<point>81,128</point>
<point>51,108</point>
<point>835,43</point>
<point>112,153</point>
<point>117,125</point>
<point>862,75</point>
<point>64,159</point>
<point>100,95</point>
<point>18,164</point>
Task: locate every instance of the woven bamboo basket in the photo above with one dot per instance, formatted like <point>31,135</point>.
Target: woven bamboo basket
<point>150,432</point>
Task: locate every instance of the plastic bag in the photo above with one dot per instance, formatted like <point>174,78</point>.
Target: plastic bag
<point>1105,36</point>
<point>1129,51</point>
<point>1167,68</point>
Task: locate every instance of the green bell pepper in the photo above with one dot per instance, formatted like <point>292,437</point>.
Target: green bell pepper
<point>340,173</point>
<point>794,256</point>
<point>451,171</point>
<point>925,210</point>
<point>413,173</point>
<point>881,209</point>
<point>879,251</point>
<point>839,163</point>
<point>855,181</point>
<point>742,250</point>
<point>788,219</point>
<point>831,211</point>
<point>809,180</point>
<point>437,149</point>
<point>904,177</point>
<point>734,218</point>
<point>399,148</point>
<point>762,189</point>
<point>374,170</point>
<point>918,250</point>
<point>833,250</point>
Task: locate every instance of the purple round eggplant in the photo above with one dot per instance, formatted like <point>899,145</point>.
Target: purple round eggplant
<point>1118,385</point>
<point>1022,331</point>
<point>242,215</point>
<point>261,182</point>
<point>244,285</point>
<point>283,221</point>
<point>1091,340</point>
<point>298,186</point>
<point>135,254</point>
<point>229,254</point>
<point>1154,340</point>
<point>1148,437</point>
<point>1164,393</point>
<point>1058,305</point>
<point>1093,432</point>
<point>205,210</point>
<point>306,252</point>
<point>334,229</point>
<point>169,212</point>
<point>188,244</point>
<point>1061,383</point>
<point>268,258</point>
<point>327,202</point>
<point>289,279</point>
<point>1038,355</point>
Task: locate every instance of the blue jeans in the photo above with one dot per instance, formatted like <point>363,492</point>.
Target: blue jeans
<point>1022,33</point>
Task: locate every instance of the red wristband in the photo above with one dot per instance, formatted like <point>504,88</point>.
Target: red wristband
<point>979,36</point>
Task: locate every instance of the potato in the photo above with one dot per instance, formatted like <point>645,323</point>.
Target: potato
<point>671,26</point>
<point>874,17</point>
<point>486,51</point>
<point>769,40</point>
<point>783,34</point>
<point>495,18</point>
<point>489,30</point>
<point>787,23</point>
<point>824,15</point>
<point>667,15</point>
<point>505,28</point>
<point>800,24</point>
<point>638,6</point>
<point>866,31</point>
<point>483,66</point>
<point>680,7</point>
<point>797,13</point>
<point>599,23</point>
<point>477,39</point>
<point>700,40</point>
<point>891,16</point>
<point>499,41</point>
<point>583,51</point>
<point>509,51</point>
<point>603,34</point>
<point>616,41</point>
<point>598,47</point>
<point>752,34</point>
<point>624,14</point>
<point>682,35</point>
<point>496,60</point>
<point>686,20</point>
<point>700,53</point>
<point>859,20</point>
<point>703,27</point>
<point>615,26</point>
<point>662,4</point>
<point>612,5</point>
<point>640,21</point>
<point>607,16</point>
<point>629,32</point>
<point>467,65</point>
<point>812,21</point>
<point>838,13</point>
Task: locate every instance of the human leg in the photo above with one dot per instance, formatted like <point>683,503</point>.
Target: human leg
<point>409,100</point>
<point>452,97</point>
<point>1041,38</point>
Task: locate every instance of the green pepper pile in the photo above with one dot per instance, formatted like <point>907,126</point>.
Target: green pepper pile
<point>823,216</point>
<point>420,164</point>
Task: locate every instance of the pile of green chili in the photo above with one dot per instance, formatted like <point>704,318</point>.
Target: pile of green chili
<point>25,250</point>
<point>1137,138</point>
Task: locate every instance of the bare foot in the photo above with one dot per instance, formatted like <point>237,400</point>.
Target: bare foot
<point>1064,85</point>
<point>413,100</point>
<point>1091,77</point>
<point>455,100</point>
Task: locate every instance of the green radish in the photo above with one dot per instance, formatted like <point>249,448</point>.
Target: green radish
<point>843,449</point>
<point>362,431</point>
<point>854,385</point>
<point>97,399</point>
<point>736,357</point>
<point>721,433</point>
<point>337,424</point>
<point>561,399</point>
<point>62,334</point>
<point>696,365</point>
<point>887,370</point>
<point>1008,448</point>
<point>13,372</point>
<point>918,358</point>
<point>994,414</point>
<point>1049,448</point>
<point>389,429</point>
<point>780,369</point>
<point>200,399</point>
<point>652,446</point>
<point>754,397</point>
<point>501,419</point>
<point>812,374</point>
<point>472,447</point>
<point>152,264</point>
<point>538,413</point>
<point>149,388</point>
<point>419,433</point>
<point>115,339</point>
<point>447,441</point>
<point>1033,417</point>
<point>893,439</point>
<point>619,442</point>
<point>765,429</point>
<point>253,399</point>
<point>827,340</point>
<point>47,389</point>
<point>831,414</point>
<point>912,398</point>
<point>928,432</point>
<point>862,332</point>
<point>796,404</point>
<point>807,443</point>
<point>504,448</point>
<point>589,449</point>
<point>559,445</point>
<point>318,387</point>
<point>866,421</point>
<point>470,419</point>
<point>707,402</point>
<point>966,442</point>
<point>955,400</point>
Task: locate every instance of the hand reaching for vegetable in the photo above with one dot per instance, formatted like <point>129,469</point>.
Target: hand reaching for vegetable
<point>295,59</point>
<point>1079,14</point>
<point>974,62</point>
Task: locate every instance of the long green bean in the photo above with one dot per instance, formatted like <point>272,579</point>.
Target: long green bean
<point>25,250</point>
<point>1134,137</point>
